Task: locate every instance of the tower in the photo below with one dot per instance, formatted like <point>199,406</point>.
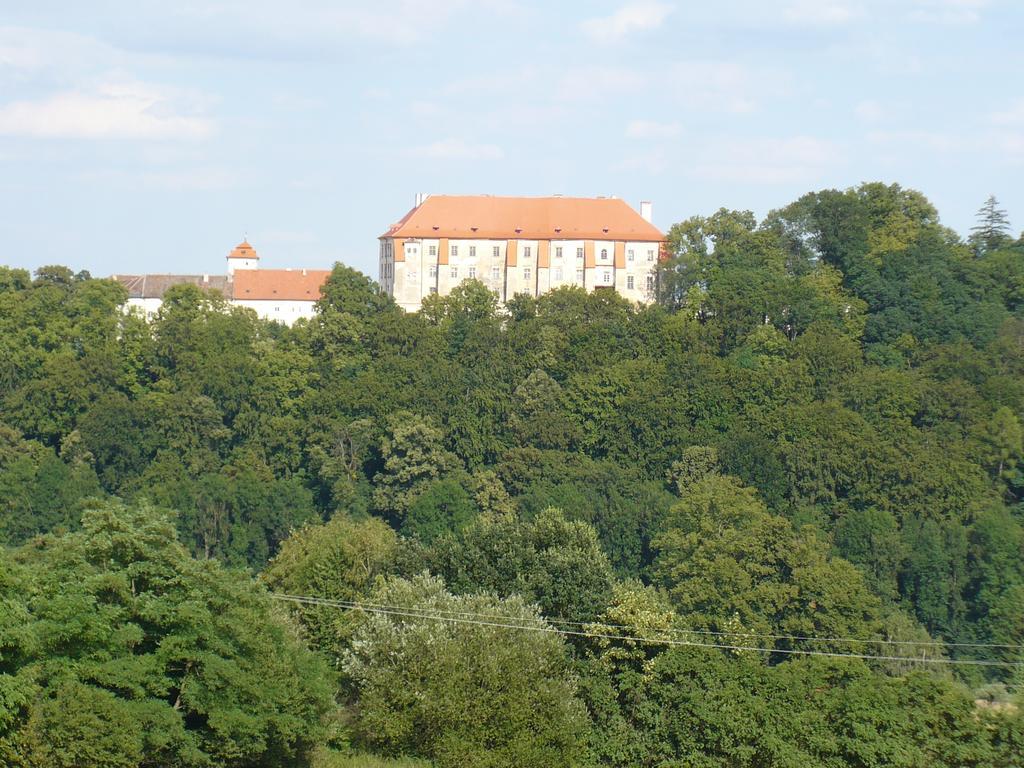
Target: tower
<point>243,256</point>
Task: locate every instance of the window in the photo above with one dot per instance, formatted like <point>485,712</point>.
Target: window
<point>433,270</point>
<point>455,272</point>
<point>495,273</point>
<point>650,282</point>
<point>526,274</point>
<point>629,255</point>
<point>579,253</point>
<point>496,251</point>
<point>629,281</point>
<point>472,251</point>
<point>433,250</point>
<point>472,273</point>
<point>558,274</point>
<point>604,254</point>
<point>650,254</point>
<point>607,278</point>
<point>412,274</point>
<point>558,252</point>
<point>579,276</point>
<point>433,289</point>
<point>455,250</point>
<point>526,252</point>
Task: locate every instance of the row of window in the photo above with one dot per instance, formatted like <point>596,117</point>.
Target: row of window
<point>528,252</point>
<point>606,277</point>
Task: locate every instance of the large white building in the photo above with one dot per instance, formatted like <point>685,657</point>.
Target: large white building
<point>520,245</point>
<point>284,295</point>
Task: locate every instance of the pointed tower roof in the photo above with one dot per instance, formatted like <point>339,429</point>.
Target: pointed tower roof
<point>243,251</point>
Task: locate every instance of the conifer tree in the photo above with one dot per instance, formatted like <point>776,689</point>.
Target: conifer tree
<point>992,229</point>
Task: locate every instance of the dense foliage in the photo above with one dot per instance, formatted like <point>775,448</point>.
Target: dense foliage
<point>814,432</point>
<point>119,649</point>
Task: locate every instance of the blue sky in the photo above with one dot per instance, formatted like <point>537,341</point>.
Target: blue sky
<point>149,136</point>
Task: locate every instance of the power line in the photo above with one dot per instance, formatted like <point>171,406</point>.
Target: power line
<point>549,629</point>
<point>673,631</point>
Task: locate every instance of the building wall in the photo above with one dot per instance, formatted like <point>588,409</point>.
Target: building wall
<point>510,267</point>
<point>237,263</point>
<point>148,307</point>
<point>286,312</point>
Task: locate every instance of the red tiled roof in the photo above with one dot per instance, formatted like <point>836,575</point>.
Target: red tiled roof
<point>284,284</point>
<point>526,218</point>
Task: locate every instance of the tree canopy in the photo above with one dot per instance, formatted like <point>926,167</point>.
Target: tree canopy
<point>568,530</point>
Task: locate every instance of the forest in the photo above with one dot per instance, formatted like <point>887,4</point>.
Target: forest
<point>774,518</point>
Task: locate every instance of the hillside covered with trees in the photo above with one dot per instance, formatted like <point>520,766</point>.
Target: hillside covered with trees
<point>773,519</point>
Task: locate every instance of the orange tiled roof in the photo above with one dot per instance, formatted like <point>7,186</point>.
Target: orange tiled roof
<point>243,251</point>
<point>526,218</point>
<point>283,284</point>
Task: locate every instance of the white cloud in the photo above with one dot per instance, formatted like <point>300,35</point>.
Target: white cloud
<point>869,111</point>
<point>800,159</point>
<point>196,179</point>
<point>822,13</point>
<point>653,162</point>
<point>1012,145</point>
<point>273,22</point>
<point>31,52</point>
<point>721,86</point>
<point>288,237</point>
<point>935,142</point>
<point>458,149</point>
<point>632,17</point>
<point>111,111</point>
<point>1014,115</point>
<point>651,129</point>
<point>583,83</point>
<point>953,12</point>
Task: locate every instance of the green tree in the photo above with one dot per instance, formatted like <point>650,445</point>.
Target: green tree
<point>551,561</point>
<point>337,560</point>
<point>463,693</point>
<point>723,555</point>
<point>137,654</point>
<point>1003,442</point>
<point>444,506</point>
<point>993,228</point>
<point>413,456</point>
<point>540,415</point>
<point>870,539</point>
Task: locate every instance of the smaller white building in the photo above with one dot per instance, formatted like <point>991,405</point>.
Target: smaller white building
<point>284,295</point>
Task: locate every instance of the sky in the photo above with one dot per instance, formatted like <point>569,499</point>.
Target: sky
<point>152,136</point>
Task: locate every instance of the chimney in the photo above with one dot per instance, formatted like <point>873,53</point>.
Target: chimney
<point>206,278</point>
<point>645,211</point>
<point>420,197</point>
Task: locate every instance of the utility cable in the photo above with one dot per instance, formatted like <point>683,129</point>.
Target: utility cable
<point>549,629</point>
<point>674,630</point>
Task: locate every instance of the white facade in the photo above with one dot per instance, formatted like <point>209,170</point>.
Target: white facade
<point>414,267</point>
<point>237,262</point>
<point>147,307</point>
<point>286,312</point>
<point>423,271</point>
